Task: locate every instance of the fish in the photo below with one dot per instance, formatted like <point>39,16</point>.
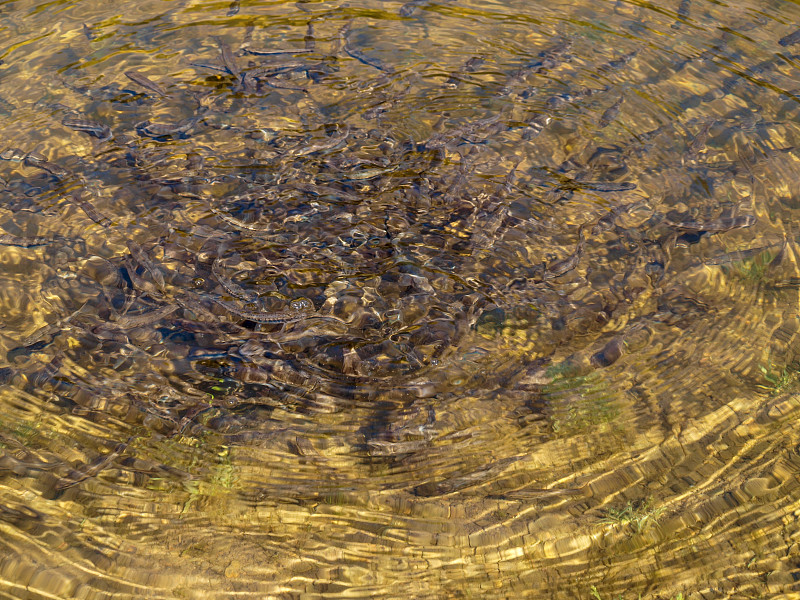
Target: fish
<point>13,155</point>
<point>140,256</point>
<point>93,128</point>
<point>779,258</point>
<point>228,59</point>
<point>159,130</point>
<point>548,59</point>
<point>409,8</point>
<point>535,126</point>
<point>699,141</point>
<point>90,469</point>
<point>610,353</point>
<point>738,255</point>
<point>606,186</point>
<point>328,144</point>
<point>719,225</point>
<point>560,267</point>
<point>275,51</point>
<point>145,82</point>
<point>6,108</point>
<point>309,40</point>
<point>365,174</point>
<point>790,40</point>
<point>33,159</point>
<point>610,113</point>
<point>90,210</point>
<point>128,321</point>
<point>238,223</point>
<point>683,14</point>
<point>354,52</point>
<point>87,31</point>
<point>248,36</point>
<point>277,84</point>
<point>298,310</point>
<point>440,140</point>
<point>234,289</point>
<point>233,9</point>
<point>617,63</point>
<point>277,68</point>
<point>472,65</point>
<point>210,67</point>
<point>21,242</point>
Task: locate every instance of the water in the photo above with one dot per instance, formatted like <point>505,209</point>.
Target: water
<point>444,300</point>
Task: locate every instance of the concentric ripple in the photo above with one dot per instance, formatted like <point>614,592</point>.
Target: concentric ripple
<point>385,299</point>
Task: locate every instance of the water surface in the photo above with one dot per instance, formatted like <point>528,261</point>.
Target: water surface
<point>385,300</point>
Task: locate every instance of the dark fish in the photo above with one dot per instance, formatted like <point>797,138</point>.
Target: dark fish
<point>27,350</point>
<point>717,225</point>
<point>145,82</point>
<point>699,141</point>
<point>90,210</point>
<point>127,321</point>
<point>298,311</point>
<point>13,154</point>
<point>6,108</point>
<point>738,255</point>
<point>606,186</point>
<point>233,288</point>
<point>327,144</point>
<point>547,59</point>
<point>87,31</point>
<point>274,51</point>
<point>277,68</point>
<point>791,39</point>
<point>535,126</point>
<point>683,14</point>
<point>209,66</point>
<point>238,223</point>
<point>13,240</point>
<point>247,82</point>
<point>465,131</point>
<point>779,258</point>
<point>275,83</point>
<point>248,35</point>
<point>93,128</point>
<point>233,9</point>
<point>560,267</point>
<point>33,159</point>
<point>158,130</point>
<point>472,65</point>
<point>309,39</point>
<point>338,41</point>
<point>90,469</point>
<point>409,7</point>
<point>354,52</point>
<point>617,63</point>
<point>610,113</point>
<point>228,59</point>
<point>365,174</point>
<point>140,256</point>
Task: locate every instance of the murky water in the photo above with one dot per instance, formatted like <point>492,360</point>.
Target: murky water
<point>385,300</point>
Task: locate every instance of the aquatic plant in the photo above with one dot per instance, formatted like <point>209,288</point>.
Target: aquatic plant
<point>637,515</point>
<point>777,380</point>
<point>593,593</point>
<point>753,270</point>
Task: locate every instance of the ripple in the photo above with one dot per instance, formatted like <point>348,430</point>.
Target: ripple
<point>495,300</point>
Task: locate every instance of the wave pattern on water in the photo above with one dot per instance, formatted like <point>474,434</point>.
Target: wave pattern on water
<point>421,299</point>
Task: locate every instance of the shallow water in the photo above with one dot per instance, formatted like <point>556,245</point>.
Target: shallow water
<point>446,300</point>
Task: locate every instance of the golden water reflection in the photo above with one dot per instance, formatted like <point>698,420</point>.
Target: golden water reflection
<point>385,299</point>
